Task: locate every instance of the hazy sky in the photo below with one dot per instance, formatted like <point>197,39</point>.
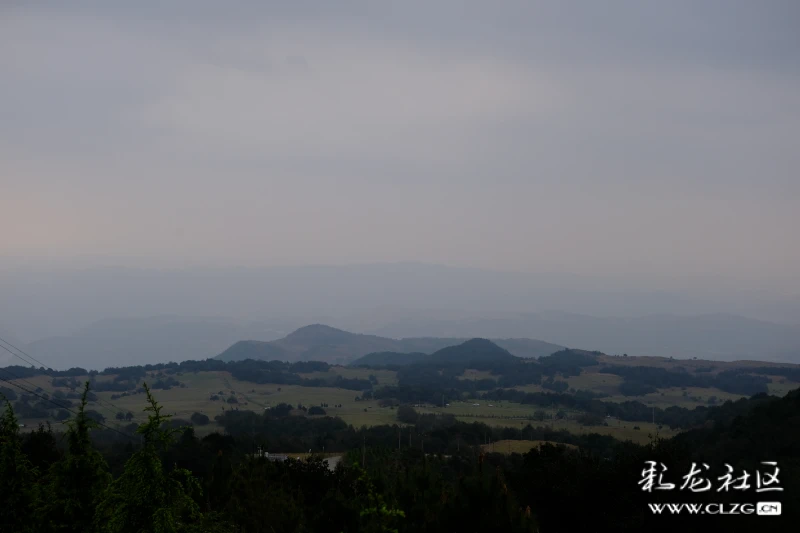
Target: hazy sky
<point>654,137</point>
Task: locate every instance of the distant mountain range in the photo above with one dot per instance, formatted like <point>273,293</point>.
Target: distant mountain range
<point>118,342</point>
<point>323,343</point>
<point>471,350</point>
<point>391,358</point>
<point>56,300</point>
<point>126,341</point>
<point>717,336</point>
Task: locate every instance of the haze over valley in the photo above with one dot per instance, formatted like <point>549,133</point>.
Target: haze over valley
<point>418,266</point>
<point>106,317</point>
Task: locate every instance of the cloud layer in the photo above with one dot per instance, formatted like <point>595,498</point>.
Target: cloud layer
<point>637,137</point>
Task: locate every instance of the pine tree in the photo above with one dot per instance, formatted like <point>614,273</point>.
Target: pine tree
<point>78,480</point>
<point>145,498</point>
<point>18,490</point>
<point>376,515</point>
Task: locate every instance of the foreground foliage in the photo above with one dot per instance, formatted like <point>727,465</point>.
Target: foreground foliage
<point>166,479</point>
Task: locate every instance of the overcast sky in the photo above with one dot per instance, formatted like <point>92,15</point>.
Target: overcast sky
<point>588,137</point>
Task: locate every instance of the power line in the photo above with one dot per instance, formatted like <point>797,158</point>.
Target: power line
<point>13,377</point>
<point>17,385</point>
<point>48,398</point>
<point>98,400</point>
<point>7,371</point>
<point>31,384</point>
<point>3,341</point>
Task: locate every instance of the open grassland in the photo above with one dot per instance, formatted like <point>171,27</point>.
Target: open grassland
<point>44,382</point>
<point>472,374</point>
<point>182,402</point>
<point>519,446</point>
<point>691,365</point>
<point>689,397</point>
<point>531,388</point>
<point>508,414</point>
<point>596,382</point>
<point>781,386</point>
<point>257,397</point>
<point>306,455</point>
<point>384,377</point>
<point>663,398</point>
<point>201,387</point>
<point>484,409</point>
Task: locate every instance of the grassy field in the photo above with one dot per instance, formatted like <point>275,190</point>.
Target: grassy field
<point>780,386</point>
<point>664,398</point>
<point>531,388</point>
<point>182,402</point>
<point>691,365</point>
<point>507,414</point>
<point>484,409</point>
<point>304,456</point>
<point>384,377</point>
<point>616,428</point>
<point>519,446</point>
<point>472,374</point>
<point>596,382</point>
<point>196,396</point>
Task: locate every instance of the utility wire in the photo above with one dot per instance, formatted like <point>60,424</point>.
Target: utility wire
<point>29,356</point>
<point>49,396</point>
<point>108,409</point>
<point>7,371</point>
<point>13,383</point>
<point>17,385</point>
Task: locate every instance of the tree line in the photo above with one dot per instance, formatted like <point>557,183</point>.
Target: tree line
<point>427,475</point>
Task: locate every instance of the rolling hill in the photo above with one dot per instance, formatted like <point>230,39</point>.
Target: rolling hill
<point>118,342</point>
<point>323,343</point>
<point>315,342</point>
<point>472,350</point>
<point>718,336</point>
<point>390,358</point>
<point>46,307</point>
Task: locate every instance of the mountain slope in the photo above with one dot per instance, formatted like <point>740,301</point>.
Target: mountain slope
<point>528,348</point>
<point>253,350</point>
<point>711,336</point>
<point>390,358</point>
<point>329,294</point>
<point>316,342</point>
<point>120,342</point>
<point>319,342</point>
<point>472,350</point>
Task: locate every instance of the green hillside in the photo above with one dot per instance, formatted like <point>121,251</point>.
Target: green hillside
<point>242,350</point>
<point>468,351</point>
<point>473,350</point>
<point>319,342</point>
<point>390,358</point>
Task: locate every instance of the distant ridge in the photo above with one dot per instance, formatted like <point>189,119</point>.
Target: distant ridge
<point>320,333</point>
<point>391,358</point>
<point>253,350</point>
<point>472,350</point>
<point>318,342</point>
